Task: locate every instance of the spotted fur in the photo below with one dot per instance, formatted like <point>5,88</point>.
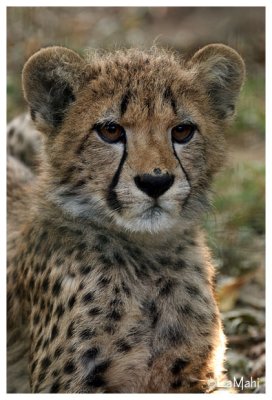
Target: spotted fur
<point>109,288</point>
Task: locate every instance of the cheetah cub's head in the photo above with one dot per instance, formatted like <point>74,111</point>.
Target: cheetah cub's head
<point>133,137</point>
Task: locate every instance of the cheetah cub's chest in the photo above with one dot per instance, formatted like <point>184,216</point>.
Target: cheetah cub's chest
<point>130,314</point>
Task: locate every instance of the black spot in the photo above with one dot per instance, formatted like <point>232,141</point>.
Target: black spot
<point>176,384</point>
<point>72,349</point>
<point>70,251</point>
<point>54,332</point>
<point>87,333</point>
<point>179,248</point>
<point>88,297</point>
<point>33,366</point>
<point>33,114</point>
<point>109,329</point>
<point>136,333</point>
<point>95,381</point>
<point>114,315</point>
<point>116,302</point>
<point>135,252</point>
<point>169,97</point>
<point>126,289</point>
<point>164,261</point>
<point>91,353</point>
<point>166,289</point>
<point>94,311</point>
<point>31,283</point>
<point>124,102</point>
<point>36,319</point>
<point>47,318</point>
<point>41,377</point>
<point>70,330</point>
<point>178,365</point>
<point>192,290</point>
<point>190,241</point>
<point>102,239</point>
<point>103,281</point>
<point>84,270</point>
<point>123,346</point>
<point>116,290</point>
<point>185,309</point>
<point>55,373</point>
<point>56,287</point>
<point>46,362</point>
<point>82,246</point>
<point>119,259</point>
<point>150,308</point>
<point>11,132</point>
<point>141,273</point>
<point>79,184</point>
<point>45,284</point>
<point>79,256</point>
<point>106,261</point>
<point>45,343</point>
<point>59,261</point>
<point>58,352</point>
<point>38,345</point>
<point>55,387</point>
<point>178,265</point>
<point>101,367</point>
<point>173,335</point>
<point>60,310</point>
<point>72,301</point>
<point>69,367</point>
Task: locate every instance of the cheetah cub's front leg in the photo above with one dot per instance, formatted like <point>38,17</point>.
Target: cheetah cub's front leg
<point>110,282</point>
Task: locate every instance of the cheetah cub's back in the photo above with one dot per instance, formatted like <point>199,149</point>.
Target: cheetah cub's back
<point>110,283</point>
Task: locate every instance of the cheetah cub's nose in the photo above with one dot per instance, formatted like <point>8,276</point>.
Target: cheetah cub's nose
<point>154,185</point>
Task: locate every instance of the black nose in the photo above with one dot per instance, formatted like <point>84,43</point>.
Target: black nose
<point>154,186</point>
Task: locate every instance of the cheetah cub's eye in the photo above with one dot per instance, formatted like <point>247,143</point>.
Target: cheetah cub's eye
<point>183,133</point>
<point>111,132</point>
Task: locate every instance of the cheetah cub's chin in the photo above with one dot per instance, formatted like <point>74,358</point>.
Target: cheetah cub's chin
<point>131,141</point>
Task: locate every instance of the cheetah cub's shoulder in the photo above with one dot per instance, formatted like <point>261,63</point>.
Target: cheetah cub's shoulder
<point>110,283</point>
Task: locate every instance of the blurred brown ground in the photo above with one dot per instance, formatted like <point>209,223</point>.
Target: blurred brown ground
<point>236,229</point>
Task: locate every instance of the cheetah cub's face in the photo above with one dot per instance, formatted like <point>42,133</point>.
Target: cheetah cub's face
<point>133,137</point>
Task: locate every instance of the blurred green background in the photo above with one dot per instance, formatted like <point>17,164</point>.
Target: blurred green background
<point>236,226</point>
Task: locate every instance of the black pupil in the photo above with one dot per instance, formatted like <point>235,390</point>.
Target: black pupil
<point>181,128</point>
<point>112,128</point>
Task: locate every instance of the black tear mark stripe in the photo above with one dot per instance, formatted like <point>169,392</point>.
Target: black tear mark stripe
<point>169,97</point>
<point>181,166</point>
<point>124,102</point>
<point>112,199</point>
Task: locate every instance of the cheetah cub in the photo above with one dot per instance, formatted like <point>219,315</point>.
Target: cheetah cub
<point>110,283</point>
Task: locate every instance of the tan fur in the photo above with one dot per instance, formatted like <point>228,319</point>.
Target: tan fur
<point>114,294</point>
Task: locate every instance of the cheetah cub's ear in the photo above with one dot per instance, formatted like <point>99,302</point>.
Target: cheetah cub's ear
<point>51,78</point>
<point>222,72</point>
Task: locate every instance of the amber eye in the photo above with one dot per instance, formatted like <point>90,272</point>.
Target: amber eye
<point>111,132</point>
<point>183,133</point>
